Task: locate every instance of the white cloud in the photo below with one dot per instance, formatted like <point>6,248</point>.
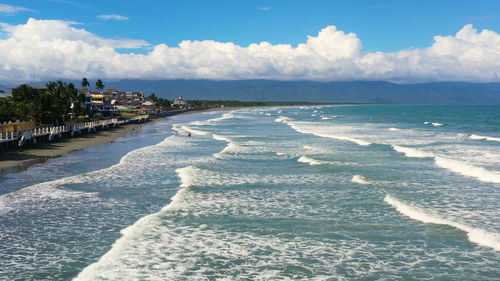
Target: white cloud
<point>9,9</point>
<point>264,8</point>
<point>51,49</point>
<point>113,17</point>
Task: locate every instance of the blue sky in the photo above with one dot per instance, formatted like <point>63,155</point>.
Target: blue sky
<point>381,25</point>
<point>400,41</point>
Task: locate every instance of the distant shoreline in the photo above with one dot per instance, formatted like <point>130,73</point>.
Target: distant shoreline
<point>19,160</point>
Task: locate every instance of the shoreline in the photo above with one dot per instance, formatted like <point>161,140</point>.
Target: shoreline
<point>16,161</point>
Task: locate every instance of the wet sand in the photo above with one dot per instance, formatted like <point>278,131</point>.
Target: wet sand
<point>22,159</point>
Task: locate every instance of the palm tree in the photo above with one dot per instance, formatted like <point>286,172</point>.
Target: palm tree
<point>85,83</point>
<point>99,85</point>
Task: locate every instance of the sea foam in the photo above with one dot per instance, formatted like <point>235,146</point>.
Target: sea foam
<point>452,165</point>
<point>477,137</point>
<point>475,235</point>
<point>360,180</point>
<point>311,161</point>
<point>308,128</point>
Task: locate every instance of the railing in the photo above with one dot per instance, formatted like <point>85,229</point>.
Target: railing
<point>8,136</point>
<point>11,135</point>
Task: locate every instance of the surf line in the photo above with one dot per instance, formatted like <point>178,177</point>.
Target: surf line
<point>177,202</point>
<point>305,130</point>
<point>455,166</point>
<point>129,233</point>
<point>475,235</point>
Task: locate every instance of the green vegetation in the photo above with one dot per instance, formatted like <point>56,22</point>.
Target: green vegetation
<point>232,103</point>
<point>162,103</point>
<point>85,83</point>
<point>99,85</point>
<point>57,103</point>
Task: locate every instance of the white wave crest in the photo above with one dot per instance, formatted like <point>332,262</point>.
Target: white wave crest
<point>220,138</point>
<point>360,180</point>
<point>468,170</point>
<point>477,137</point>
<point>412,152</point>
<point>134,232</point>
<point>394,129</point>
<point>282,119</point>
<point>475,235</point>
<point>297,126</point>
<point>186,175</point>
<point>436,124</point>
<point>311,161</point>
<point>229,115</point>
<point>452,165</point>
<point>194,131</point>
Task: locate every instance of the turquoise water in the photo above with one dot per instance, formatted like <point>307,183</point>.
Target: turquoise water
<point>319,193</point>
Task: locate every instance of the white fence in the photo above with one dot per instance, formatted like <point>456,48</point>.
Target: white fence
<point>53,131</point>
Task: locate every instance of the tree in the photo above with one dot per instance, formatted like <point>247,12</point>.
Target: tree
<point>99,85</point>
<point>85,83</point>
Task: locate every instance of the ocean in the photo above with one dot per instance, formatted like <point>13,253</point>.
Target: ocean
<point>363,192</point>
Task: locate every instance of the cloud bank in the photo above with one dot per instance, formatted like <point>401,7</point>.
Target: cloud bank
<point>52,49</point>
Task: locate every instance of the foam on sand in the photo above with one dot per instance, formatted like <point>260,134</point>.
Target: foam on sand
<point>477,137</point>
<point>475,235</point>
<point>360,180</point>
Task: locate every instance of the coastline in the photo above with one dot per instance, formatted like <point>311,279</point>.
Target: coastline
<point>15,161</point>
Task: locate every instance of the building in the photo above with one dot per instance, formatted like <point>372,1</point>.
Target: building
<point>149,107</point>
<point>127,100</point>
<point>179,103</point>
<point>111,101</point>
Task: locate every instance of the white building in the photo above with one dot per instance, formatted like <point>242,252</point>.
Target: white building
<point>179,103</point>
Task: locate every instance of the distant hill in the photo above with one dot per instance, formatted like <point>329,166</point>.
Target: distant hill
<point>342,92</point>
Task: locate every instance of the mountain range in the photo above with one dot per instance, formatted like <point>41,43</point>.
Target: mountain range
<point>311,91</point>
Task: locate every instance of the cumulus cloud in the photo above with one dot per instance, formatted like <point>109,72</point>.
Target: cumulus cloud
<point>113,17</point>
<point>51,49</point>
<point>9,9</point>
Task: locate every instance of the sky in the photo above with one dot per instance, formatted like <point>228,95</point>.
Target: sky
<point>399,41</point>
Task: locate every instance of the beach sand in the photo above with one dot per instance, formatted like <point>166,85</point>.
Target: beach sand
<point>22,159</point>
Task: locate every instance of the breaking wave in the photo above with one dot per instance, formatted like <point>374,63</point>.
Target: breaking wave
<point>360,180</point>
<point>452,165</point>
<point>477,137</point>
<point>475,235</point>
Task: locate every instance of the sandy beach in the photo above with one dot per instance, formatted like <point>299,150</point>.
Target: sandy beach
<point>23,159</point>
